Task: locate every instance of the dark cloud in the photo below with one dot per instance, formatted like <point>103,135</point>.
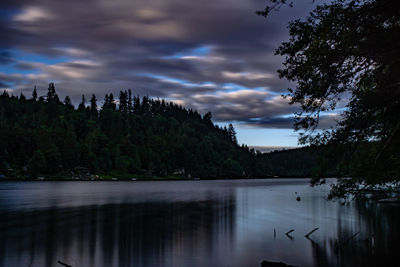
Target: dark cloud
<point>5,58</point>
<point>3,85</point>
<point>210,55</point>
<point>325,122</point>
<point>272,122</point>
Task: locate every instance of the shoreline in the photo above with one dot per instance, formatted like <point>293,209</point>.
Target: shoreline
<point>135,179</point>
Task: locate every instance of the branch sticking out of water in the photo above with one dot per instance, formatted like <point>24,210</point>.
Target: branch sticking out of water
<point>315,229</point>
<point>288,232</point>
<point>64,264</point>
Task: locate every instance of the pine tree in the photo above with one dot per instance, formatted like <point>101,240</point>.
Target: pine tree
<point>130,103</point>
<point>207,117</point>
<point>112,104</point>
<point>136,105</point>
<point>106,102</point>
<point>232,133</point>
<point>93,103</point>
<point>34,94</point>
<point>5,94</point>
<point>93,106</point>
<point>82,105</point>
<point>123,101</point>
<point>68,102</point>
<point>22,97</point>
<point>52,96</point>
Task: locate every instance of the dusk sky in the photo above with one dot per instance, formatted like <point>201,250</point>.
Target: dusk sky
<point>211,55</point>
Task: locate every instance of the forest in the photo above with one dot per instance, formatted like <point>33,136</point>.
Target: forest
<point>126,137</point>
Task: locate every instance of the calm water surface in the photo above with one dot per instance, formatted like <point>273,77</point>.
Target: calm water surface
<point>191,223</point>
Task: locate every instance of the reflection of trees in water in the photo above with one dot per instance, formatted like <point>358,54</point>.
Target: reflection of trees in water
<point>143,234</point>
<point>370,240</point>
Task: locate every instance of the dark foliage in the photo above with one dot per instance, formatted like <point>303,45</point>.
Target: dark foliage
<point>137,136</point>
<point>348,50</point>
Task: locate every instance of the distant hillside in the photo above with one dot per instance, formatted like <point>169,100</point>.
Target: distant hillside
<point>140,136</point>
<point>298,162</point>
<point>267,149</point>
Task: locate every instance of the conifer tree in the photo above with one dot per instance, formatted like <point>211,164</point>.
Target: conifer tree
<point>52,96</point>
<point>136,105</point>
<point>232,133</point>
<point>130,103</point>
<point>34,94</point>
<point>93,105</point>
<point>123,101</point>
<point>68,102</point>
<point>82,105</point>
<point>106,102</point>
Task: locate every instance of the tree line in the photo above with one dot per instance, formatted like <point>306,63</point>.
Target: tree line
<point>132,135</point>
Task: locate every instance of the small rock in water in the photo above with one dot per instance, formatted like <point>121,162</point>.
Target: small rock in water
<point>298,198</point>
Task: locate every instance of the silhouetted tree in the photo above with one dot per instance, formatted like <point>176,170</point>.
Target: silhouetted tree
<point>130,101</point>
<point>348,50</point>
<point>82,105</point>
<point>52,96</point>
<point>68,102</point>
<point>22,97</point>
<point>123,101</point>
<point>232,133</point>
<point>34,94</point>
<point>93,105</point>
<point>112,104</point>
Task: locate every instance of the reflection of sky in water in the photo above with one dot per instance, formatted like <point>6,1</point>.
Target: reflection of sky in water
<point>33,195</point>
<point>256,223</point>
<point>187,223</point>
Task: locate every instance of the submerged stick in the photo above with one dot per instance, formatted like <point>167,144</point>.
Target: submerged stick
<point>351,237</point>
<point>266,263</point>
<point>64,264</point>
<point>315,229</point>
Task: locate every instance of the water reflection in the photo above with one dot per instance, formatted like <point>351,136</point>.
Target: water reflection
<point>142,234</point>
<point>210,223</point>
<point>375,242</point>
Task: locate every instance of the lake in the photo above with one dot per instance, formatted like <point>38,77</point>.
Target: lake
<point>191,223</point>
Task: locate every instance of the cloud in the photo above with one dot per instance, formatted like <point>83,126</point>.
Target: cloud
<point>32,14</point>
<point>326,121</point>
<point>247,75</point>
<point>210,55</point>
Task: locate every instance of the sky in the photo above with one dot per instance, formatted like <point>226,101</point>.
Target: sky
<point>211,55</point>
